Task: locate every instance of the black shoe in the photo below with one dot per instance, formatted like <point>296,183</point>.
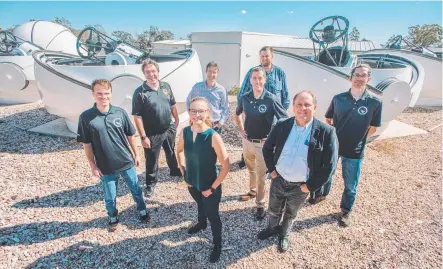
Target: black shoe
<point>241,164</point>
<point>113,224</point>
<point>197,228</point>
<point>266,233</point>
<point>175,173</point>
<point>345,219</point>
<point>283,244</point>
<point>215,254</point>
<point>260,213</point>
<point>144,216</point>
<point>149,191</point>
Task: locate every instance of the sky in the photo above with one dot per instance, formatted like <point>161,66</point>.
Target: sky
<point>376,20</point>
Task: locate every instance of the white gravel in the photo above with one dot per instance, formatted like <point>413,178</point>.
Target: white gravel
<point>52,214</point>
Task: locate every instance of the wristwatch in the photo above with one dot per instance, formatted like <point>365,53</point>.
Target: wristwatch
<point>212,189</point>
<point>143,138</point>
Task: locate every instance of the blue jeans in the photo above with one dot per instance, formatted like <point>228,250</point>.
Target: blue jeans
<point>110,183</point>
<point>351,175</point>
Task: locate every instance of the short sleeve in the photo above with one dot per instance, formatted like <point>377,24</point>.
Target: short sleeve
<point>171,95</point>
<point>376,117</point>
<point>330,112</point>
<point>83,132</point>
<point>129,127</point>
<point>137,102</point>
<point>240,108</point>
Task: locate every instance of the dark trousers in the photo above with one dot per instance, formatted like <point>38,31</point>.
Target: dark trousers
<point>208,208</point>
<point>285,200</point>
<point>166,141</point>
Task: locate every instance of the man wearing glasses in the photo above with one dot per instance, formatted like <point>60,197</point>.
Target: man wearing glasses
<point>216,95</point>
<point>355,115</point>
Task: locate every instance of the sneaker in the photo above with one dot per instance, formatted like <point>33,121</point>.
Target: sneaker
<point>144,216</point>
<point>113,223</point>
<point>345,219</point>
<point>283,244</point>
<point>197,228</point>
<point>215,254</point>
<point>149,191</point>
<point>260,213</point>
<point>316,200</point>
<point>266,233</point>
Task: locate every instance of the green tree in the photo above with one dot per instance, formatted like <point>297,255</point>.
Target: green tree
<point>425,35</point>
<point>354,35</point>
<point>124,37</point>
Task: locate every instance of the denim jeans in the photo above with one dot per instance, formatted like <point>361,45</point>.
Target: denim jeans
<point>287,196</point>
<point>208,208</point>
<point>110,183</point>
<point>351,175</point>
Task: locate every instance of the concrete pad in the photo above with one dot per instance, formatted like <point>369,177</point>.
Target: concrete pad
<point>56,127</point>
<point>399,129</point>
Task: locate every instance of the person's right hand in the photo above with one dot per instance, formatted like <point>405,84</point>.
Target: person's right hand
<point>146,143</point>
<point>182,169</point>
<point>96,172</point>
<point>273,174</point>
<point>243,134</point>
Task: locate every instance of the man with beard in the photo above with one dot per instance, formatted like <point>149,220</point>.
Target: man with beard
<point>275,82</point>
<point>152,105</point>
<point>355,115</point>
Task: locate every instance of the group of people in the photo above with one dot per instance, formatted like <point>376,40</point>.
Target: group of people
<point>298,154</point>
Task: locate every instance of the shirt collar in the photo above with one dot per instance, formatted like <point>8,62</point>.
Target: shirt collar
<point>110,111</point>
<point>262,96</point>
<point>364,95</point>
<point>306,127</point>
<point>270,71</point>
<point>145,87</point>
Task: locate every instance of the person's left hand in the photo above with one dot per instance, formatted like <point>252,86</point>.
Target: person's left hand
<point>207,193</point>
<point>304,188</point>
<point>136,160</point>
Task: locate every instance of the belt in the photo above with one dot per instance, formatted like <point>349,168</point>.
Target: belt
<point>255,140</point>
<point>290,182</point>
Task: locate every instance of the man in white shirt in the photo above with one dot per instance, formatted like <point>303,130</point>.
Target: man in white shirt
<point>300,153</point>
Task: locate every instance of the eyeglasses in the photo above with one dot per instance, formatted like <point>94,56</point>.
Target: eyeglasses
<point>199,111</point>
<point>355,75</point>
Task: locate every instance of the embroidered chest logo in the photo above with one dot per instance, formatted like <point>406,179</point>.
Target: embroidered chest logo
<point>362,110</point>
<point>262,108</point>
<point>118,122</point>
<point>165,91</point>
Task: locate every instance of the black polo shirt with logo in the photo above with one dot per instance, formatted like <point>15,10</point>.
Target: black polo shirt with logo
<point>352,120</point>
<point>154,106</point>
<point>107,132</point>
<point>260,113</point>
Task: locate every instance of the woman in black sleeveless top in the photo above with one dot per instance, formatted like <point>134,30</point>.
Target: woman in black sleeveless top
<point>198,149</point>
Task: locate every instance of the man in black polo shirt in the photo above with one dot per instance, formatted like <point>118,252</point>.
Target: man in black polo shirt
<point>355,115</point>
<point>152,105</point>
<point>259,108</point>
<point>107,135</point>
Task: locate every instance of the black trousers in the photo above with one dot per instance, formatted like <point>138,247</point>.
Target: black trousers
<point>208,208</point>
<point>166,141</point>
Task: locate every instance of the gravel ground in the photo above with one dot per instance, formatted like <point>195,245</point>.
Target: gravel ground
<point>53,216</point>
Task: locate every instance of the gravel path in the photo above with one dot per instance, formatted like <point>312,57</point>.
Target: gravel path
<point>52,214</point>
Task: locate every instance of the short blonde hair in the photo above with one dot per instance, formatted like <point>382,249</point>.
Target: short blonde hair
<point>102,82</point>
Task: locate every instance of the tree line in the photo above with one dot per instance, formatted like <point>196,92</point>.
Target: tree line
<point>426,35</point>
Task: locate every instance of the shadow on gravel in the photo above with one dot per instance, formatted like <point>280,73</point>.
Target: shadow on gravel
<point>174,248</point>
<point>86,196</point>
<point>15,139</point>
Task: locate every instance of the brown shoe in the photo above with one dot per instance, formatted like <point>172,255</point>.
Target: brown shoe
<point>316,200</point>
<point>246,197</point>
